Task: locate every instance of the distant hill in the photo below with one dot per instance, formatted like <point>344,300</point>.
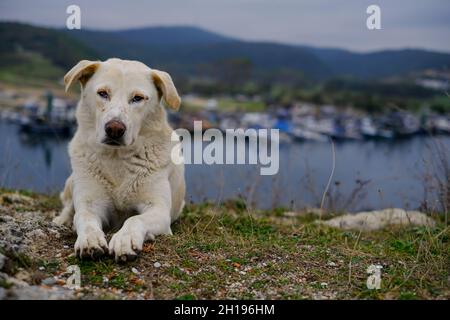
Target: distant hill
<point>177,35</point>
<point>29,52</point>
<point>190,51</point>
<point>50,43</point>
<point>381,63</point>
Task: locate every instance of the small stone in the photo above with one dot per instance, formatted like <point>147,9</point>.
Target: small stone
<point>324,284</point>
<point>54,232</point>
<point>332,264</point>
<point>136,271</point>
<point>48,281</point>
<point>37,233</point>
<point>157,265</point>
<point>41,268</point>
<point>23,275</point>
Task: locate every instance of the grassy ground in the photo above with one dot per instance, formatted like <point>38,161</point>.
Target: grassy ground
<point>231,252</point>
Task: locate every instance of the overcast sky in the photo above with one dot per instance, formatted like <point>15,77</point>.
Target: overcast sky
<point>332,23</point>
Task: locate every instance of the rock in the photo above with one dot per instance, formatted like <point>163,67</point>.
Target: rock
<point>376,220</point>
<point>2,261</point>
<point>317,212</point>
<point>5,218</point>
<point>49,281</point>
<point>23,229</point>
<point>157,265</point>
<point>15,198</point>
<point>23,276</point>
<point>12,281</point>
<point>19,232</point>
<point>38,293</point>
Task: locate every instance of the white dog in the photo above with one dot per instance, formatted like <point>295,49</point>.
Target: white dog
<point>121,158</point>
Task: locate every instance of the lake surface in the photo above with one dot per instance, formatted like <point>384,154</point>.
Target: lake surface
<point>368,174</point>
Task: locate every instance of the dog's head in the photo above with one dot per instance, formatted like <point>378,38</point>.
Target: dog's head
<point>120,95</point>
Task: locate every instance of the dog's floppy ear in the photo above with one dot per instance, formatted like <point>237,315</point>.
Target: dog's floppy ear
<point>166,89</point>
<point>82,71</point>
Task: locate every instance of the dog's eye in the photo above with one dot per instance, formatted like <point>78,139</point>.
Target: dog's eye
<point>137,98</point>
<point>103,94</point>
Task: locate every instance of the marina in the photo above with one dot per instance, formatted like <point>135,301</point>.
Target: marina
<point>295,124</point>
<point>375,153</point>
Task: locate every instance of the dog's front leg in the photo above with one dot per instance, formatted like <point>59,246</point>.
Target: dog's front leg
<point>153,219</point>
<point>90,212</point>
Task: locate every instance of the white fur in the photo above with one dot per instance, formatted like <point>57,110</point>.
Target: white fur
<point>135,184</point>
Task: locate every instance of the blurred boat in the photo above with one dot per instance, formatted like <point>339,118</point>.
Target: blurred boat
<point>347,128</point>
<point>370,130</point>
<point>43,126</point>
<point>301,134</point>
<point>403,123</point>
<point>58,118</point>
<point>437,124</point>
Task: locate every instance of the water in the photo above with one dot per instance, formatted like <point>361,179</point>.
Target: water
<point>388,173</point>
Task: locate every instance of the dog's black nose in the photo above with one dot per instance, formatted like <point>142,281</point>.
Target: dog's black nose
<point>115,129</point>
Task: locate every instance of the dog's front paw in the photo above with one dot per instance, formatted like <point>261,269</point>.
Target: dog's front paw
<point>62,220</point>
<point>91,244</point>
<point>126,244</point>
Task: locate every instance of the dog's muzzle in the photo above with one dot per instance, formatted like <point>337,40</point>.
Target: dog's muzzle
<point>114,130</point>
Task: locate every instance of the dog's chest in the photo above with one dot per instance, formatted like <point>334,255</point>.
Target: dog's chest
<point>123,175</point>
